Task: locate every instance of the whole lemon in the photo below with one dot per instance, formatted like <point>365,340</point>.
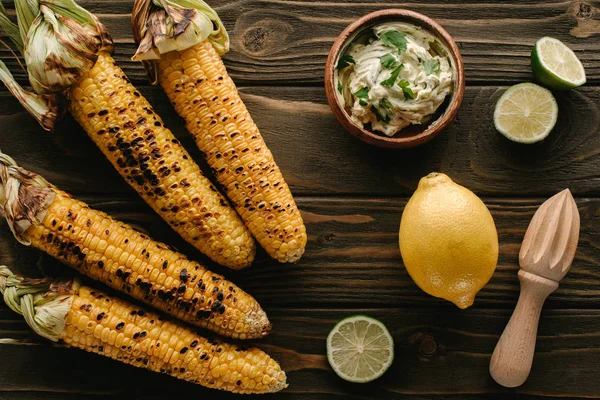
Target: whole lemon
<point>448,240</point>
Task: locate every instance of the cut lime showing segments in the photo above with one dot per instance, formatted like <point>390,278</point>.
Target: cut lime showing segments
<point>526,113</point>
<point>360,349</point>
<point>555,65</point>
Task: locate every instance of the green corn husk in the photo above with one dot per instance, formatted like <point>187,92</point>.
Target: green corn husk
<point>46,109</point>
<point>161,26</point>
<point>11,30</point>
<point>44,303</point>
<point>60,42</point>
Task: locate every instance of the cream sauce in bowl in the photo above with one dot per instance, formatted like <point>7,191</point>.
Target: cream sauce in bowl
<point>393,75</point>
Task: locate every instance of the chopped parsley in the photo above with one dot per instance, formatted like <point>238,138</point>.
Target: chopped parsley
<point>379,116</point>
<point>385,103</point>
<point>394,39</point>
<point>431,66</point>
<point>404,85</point>
<point>345,61</point>
<point>388,61</point>
<point>362,95</point>
<point>340,87</point>
<point>389,82</point>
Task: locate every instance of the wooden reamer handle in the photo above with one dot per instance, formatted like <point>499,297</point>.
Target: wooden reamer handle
<point>513,356</point>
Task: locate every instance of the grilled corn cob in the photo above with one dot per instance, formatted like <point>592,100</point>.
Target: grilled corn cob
<point>85,318</point>
<point>114,253</point>
<point>196,81</point>
<point>131,135</point>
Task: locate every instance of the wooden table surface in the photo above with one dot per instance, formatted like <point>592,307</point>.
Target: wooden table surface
<point>351,197</point>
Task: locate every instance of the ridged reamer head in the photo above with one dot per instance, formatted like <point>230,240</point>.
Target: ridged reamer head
<point>551,239</point>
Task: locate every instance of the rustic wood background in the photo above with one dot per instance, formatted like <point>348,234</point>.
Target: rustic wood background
<point>352,197</point>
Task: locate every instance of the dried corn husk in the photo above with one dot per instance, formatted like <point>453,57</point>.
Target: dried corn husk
<point>44,303</point>
<point>46,109</point>
<point>61,42</point>
<point>11,30</point>
<point>22,208</point>
<point>162,26</point>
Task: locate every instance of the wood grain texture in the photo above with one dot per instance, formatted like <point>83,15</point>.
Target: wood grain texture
<point>471,151</point>
<point>438,353</point>
<point>283,42</point>
<point>353,258</point>
<point>352,196</point>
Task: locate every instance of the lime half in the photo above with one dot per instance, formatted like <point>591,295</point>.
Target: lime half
<point>555,65</point>
<point>360,349</point>
<point>526,113</point>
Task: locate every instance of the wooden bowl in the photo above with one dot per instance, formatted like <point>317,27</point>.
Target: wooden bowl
<point>412,135</point>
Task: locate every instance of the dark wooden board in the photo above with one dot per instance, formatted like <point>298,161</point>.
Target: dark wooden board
<point>471,151</point>
<point>283,42</point>
<point>351,197</point>
<point>439,353</point>
<point>353,258</point>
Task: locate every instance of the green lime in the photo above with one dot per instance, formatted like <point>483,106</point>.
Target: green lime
<point>526,113</point>
<point>555,65</point>
<point>360,349</point>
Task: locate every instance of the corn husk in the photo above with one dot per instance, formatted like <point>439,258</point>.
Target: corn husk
<point>11,30</point>
<point>46,109</point>
<point>162,26</point>
<point>61,42</point>
<point>24,197</point>
<point>44,303</point>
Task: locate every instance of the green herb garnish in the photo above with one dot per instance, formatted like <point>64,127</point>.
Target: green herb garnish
<point>340,87</point>
<point>362,93</point>
<point>388,61</point>
<point>394,39</point>
<point>385,103</point>
<point>431,66</point>
<point>345,61</point>
<point>379,116</point>
<point>404,85</point>
<point>389,82</point>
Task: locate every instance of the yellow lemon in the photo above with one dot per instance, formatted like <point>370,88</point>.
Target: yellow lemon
<point>448,240</point>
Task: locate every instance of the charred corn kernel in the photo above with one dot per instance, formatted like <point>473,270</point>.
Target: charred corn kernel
<point>85,318</point>
<point>133,137</point>
<point>116,254</point>
<point>202,92</point>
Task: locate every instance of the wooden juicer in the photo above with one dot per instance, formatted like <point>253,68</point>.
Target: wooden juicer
<point>545,257</point>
